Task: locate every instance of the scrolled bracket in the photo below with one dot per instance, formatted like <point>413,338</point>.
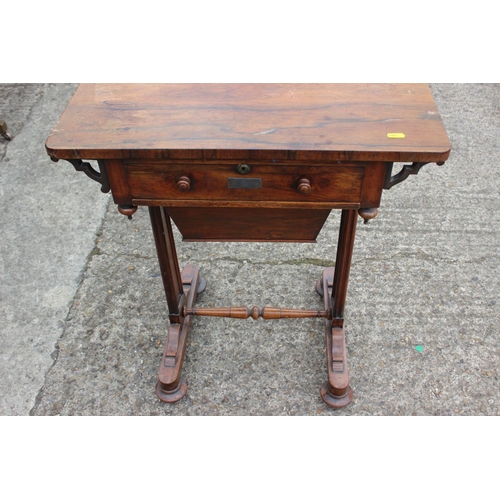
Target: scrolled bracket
<point>85,167</point>
<point>407,170</point>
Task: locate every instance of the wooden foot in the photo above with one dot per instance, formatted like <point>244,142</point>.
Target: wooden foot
<point>171,396</point>
<point>332,400</point>
<point>336,391</point>
<point>170,387</point>
<point>201,284</point>
<point>3,131</point>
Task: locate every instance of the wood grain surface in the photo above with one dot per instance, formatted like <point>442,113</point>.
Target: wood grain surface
<point>314,122</point>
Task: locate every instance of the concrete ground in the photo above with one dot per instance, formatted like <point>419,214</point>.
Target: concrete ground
<point>83,316</point>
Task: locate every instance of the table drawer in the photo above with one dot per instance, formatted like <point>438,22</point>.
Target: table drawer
<point>263,182</point>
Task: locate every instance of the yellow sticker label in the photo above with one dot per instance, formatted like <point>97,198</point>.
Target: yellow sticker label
<point>396,135</point>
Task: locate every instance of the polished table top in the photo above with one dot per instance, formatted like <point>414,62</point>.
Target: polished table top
<point>316,122</point>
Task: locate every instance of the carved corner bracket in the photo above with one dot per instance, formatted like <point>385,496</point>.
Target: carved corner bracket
<point>85,167</point>
<point>407,170</point>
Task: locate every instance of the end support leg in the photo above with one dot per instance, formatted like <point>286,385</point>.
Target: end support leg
<point>336,391</point>
<point>170,386</point>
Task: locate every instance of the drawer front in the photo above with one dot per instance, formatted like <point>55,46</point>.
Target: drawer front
<point>263,183</point>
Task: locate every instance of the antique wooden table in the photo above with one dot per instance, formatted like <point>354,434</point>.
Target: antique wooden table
<point>250,162</point>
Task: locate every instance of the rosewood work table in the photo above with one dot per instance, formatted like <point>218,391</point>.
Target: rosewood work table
<point>250,162</point>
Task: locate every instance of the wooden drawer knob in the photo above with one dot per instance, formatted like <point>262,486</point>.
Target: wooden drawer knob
<point>184,183</point>
<point>304,186</point>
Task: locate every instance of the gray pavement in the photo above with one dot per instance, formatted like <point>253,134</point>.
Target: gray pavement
<point>83,316</point>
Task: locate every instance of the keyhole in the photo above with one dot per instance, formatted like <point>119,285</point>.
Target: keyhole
<point>243,169</point>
